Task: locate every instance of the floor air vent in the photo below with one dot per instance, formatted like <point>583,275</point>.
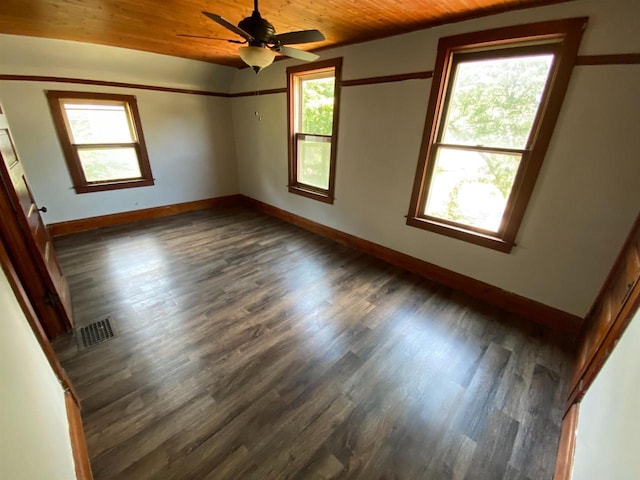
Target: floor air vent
<point>95,333</point>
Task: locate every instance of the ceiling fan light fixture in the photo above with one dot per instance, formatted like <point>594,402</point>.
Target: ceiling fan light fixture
<point>256,57</point>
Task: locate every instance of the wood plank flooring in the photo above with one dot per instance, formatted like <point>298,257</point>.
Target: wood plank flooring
<point>249,348</point>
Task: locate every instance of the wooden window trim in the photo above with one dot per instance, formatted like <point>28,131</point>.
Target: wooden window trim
<point>320,194</point>
<point>80,184</point>
<point>566,34</point>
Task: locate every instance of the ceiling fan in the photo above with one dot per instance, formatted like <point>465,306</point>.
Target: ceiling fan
<point>263,40</point>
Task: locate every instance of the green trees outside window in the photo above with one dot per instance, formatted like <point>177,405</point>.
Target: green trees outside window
<point>316,118</point>
<point>495,99</point>
<point>492,106</point>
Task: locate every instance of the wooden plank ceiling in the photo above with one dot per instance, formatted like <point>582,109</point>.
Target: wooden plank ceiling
<point>152,25</point>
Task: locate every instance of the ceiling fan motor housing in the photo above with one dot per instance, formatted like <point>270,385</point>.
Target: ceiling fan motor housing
<point>263,41</point>
<point>259,28</point>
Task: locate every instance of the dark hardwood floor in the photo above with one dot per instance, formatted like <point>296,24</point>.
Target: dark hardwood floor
<point>249,348</point>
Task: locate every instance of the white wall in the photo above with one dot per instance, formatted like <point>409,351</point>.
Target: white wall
<point>189,137</point>
<point>608,438</point>
<point>34,432</point>
<point>62,58</point>
<point>586,197</point>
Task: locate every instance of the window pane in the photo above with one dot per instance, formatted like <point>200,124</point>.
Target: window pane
<point>314,158</point>
<point>317,105</point>
<point>105,164</point>
<point>100,123</point>
<point>471,187</point>
<point>494,102</point>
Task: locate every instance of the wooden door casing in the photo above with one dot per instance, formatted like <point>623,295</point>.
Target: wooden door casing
<point>29,243</point>
<point>610,315</point>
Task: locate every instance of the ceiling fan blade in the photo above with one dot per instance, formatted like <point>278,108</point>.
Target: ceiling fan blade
<point>208,38</point>
<point>295,53</point>
<point>228,25</point>
<point>303,36</point>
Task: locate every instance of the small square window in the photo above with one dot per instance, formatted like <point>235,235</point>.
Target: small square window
<point>102,140</point>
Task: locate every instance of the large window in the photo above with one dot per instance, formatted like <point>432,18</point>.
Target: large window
<point>102,140</point>
<point>313,96</point>
<point>494,102</point>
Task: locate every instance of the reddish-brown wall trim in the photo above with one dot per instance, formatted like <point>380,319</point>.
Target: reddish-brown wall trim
<point>349,83</point>
<point>78,441</point>
<point>387,78</point>
<point>137,86</point>
<point>345,83</point>
<point>567,324</point>
<point>621,59</point>
<point>613,59</point>
<point>259,92</point>
<point>567,447</point>
<point>103,83</point>
<point>92,223</point>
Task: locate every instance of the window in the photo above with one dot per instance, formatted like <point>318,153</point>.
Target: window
<point>102,140</point>
<point>495,98</point>
<point>313,98</point>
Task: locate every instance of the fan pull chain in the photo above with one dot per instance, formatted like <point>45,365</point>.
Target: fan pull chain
<point>257,114</point>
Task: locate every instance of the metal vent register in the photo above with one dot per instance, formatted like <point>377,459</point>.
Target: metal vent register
<point>95,333</point>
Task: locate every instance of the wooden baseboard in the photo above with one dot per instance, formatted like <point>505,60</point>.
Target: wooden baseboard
<point>78,441</point>
<point>567,447</point>
<point>562,322</point>
<point>92,223</point>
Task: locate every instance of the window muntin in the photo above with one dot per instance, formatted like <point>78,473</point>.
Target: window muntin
<point>313,93</point>
<point>102,140</point>
<point>494,101</point>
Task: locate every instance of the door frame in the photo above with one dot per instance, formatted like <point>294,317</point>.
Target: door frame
<point>623,316</point>
<point>46,320</point>
<point>72,402</point>
<point>567,445</point>
<point>43,297</point>
<point>595,363</point>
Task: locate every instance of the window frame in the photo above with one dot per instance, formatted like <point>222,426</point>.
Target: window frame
<point>70,150</point>
<point>563,38</point>
<point>293,73</point>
